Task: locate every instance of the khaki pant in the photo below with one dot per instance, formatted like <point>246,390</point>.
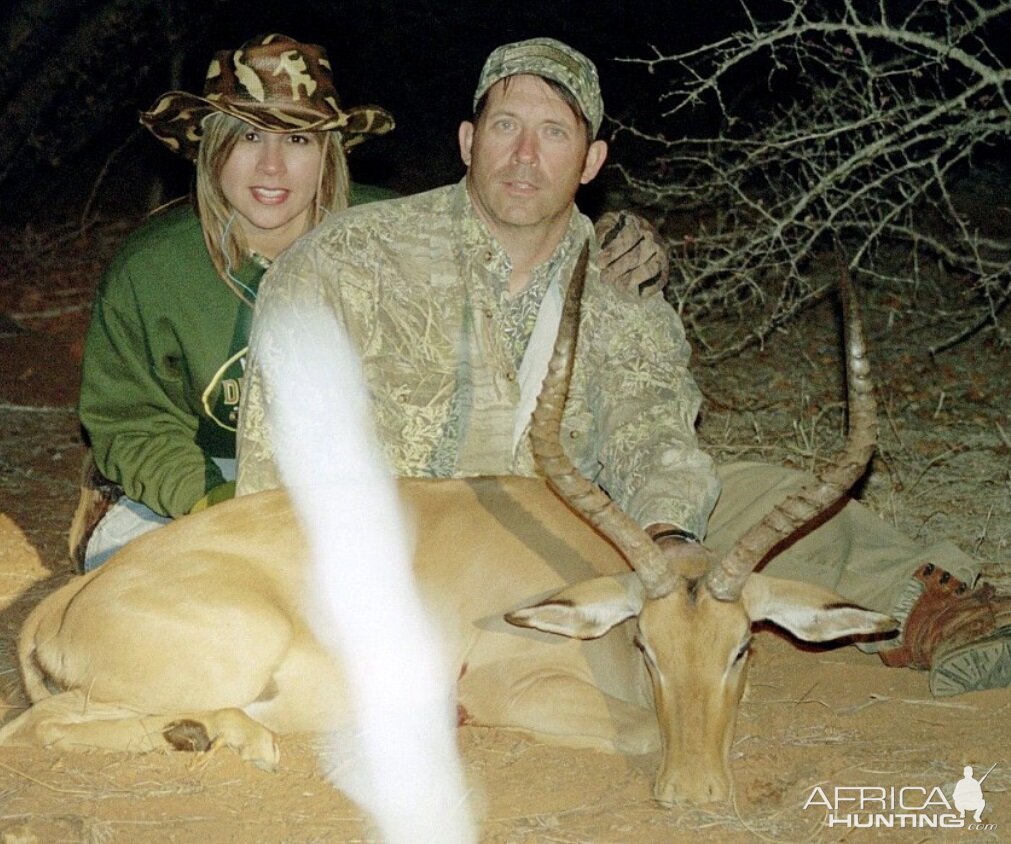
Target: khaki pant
<point>855,552</point>
<point>127,519</point>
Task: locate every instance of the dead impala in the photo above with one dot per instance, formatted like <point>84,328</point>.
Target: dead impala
<point>195,634</point>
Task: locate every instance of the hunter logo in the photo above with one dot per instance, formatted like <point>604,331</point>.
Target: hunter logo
<point>904,807</point>
<point>968,794</point>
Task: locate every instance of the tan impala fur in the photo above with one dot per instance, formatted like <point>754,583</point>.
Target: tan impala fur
<point>202,621</point>
<point>195,635</point>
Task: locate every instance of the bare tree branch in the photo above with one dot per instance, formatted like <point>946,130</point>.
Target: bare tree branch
<point>869,118</point>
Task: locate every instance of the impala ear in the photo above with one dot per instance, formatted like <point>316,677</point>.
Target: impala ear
<point>586,610</point>
<point>810,612</point>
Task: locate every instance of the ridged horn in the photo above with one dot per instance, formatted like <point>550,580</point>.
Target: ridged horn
<point>581,494</point>
<point>726,580</point>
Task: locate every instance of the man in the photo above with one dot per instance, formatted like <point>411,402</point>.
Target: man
<point>452,298</point>
<point>442,293</point>
<point>968,795</point>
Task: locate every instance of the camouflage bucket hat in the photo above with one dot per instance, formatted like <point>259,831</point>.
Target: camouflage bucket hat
<point>273,82</point>
<point>553,60</point>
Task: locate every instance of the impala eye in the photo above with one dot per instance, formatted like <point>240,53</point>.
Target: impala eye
<point>641,645</point>
<point>742,652</point>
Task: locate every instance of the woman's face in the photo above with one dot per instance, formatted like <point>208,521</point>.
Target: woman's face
<point>270,181</point>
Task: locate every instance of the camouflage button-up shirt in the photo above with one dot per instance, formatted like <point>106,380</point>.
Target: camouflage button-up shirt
<point>420,284</point>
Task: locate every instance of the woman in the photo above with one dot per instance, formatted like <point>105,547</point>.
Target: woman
<point>164,351</point>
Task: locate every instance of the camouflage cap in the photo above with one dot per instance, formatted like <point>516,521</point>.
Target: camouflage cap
<point>272,82</point>
<point>550,59</point>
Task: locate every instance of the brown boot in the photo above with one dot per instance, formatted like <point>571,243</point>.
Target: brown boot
<point>962,635</point>
<point>98,494</point>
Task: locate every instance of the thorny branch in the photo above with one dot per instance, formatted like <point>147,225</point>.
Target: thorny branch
<point>849,124</point>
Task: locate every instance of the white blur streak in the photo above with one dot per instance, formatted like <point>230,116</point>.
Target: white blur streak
<point>405,770</point>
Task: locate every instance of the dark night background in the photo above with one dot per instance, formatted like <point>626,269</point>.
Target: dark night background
<point>76,74</point>
<point>77,172</point>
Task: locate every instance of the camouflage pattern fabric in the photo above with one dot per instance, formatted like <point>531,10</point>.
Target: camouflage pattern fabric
<point>418,283</point>
<point>550,59</point>
<point>272,82</point>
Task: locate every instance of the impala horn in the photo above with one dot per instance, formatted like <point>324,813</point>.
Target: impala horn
<point>583,496</point>
<point>726,580</point>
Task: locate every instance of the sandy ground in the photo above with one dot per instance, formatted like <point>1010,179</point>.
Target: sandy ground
<point>819,719</point>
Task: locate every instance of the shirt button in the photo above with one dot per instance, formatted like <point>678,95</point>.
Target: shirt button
<point>510,376</point>
<point>573,435</point>
<point>488,313</point>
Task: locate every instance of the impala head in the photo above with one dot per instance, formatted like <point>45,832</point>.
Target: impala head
<point>694,628</point>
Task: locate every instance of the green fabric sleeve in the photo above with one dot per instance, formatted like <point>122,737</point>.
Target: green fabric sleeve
<point>161,326</point>
<point>141,438</point>
<point>362,194</point>
<point>222,492</point>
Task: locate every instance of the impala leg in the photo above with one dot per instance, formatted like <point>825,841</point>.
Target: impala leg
<point>564,709</point>
<point>231,728</point>
<point>69,721</point>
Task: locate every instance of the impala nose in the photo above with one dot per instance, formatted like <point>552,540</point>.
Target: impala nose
<point>692,786</point>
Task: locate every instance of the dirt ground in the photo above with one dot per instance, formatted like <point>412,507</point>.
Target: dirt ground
<point>825,718</point>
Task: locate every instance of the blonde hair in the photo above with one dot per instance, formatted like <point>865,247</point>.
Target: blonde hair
<point>225,241</point>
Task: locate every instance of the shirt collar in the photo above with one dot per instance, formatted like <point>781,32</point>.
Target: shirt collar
<point>479,243</point>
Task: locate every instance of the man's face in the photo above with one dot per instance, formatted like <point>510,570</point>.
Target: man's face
<point>526,157</point>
